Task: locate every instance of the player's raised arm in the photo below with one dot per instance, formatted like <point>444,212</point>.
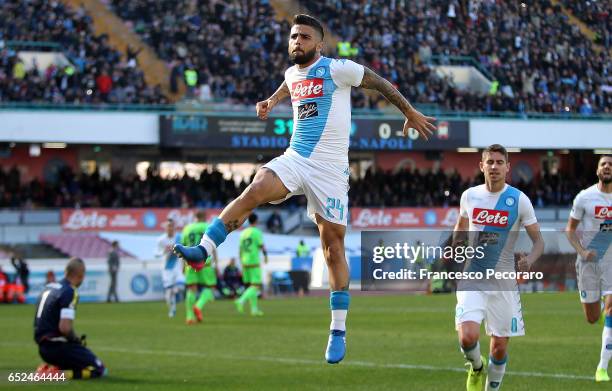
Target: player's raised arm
<point>414,119</point>
<point>526,261</point>
<point>264,107</point>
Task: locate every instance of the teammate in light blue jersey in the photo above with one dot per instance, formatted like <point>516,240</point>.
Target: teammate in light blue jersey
<point>494,213</point>
<point>316,162</point>
<point>592,210</point>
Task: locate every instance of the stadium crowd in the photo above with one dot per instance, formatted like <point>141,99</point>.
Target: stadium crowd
<point>71,190</point>
<point>596,14</point>
<point>541,61</point>
<point>377,188</point>
<point>98,73</point>
<point>416,188</point>
<point>237,48</point>
<point>236,51</point>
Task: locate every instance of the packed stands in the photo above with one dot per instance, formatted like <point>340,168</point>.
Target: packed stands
<point>98,73</point>
<point>596,14</point>
<point>376,188</point>
<point>237,48</point>
<point>541,61</point>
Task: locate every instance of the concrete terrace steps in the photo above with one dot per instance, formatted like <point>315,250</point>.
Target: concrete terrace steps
<point>120,36</point>
<point>584,28</point>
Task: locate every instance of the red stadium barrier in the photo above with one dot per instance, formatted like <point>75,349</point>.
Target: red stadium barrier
<point>136,219</point>
<point>369,218</point>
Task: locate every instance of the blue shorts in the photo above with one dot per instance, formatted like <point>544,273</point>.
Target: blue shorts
<point>72,356</point>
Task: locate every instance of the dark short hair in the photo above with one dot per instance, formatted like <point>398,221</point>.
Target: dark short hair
<point>200,214</point>
<point>252,218</point>
<point>309,21</point>
<point>496,148</point>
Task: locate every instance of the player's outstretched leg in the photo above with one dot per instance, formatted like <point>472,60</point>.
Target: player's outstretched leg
<point>332,240</point>
<point>266,187</point>
<point>601,375</point>
<point>469,333</point>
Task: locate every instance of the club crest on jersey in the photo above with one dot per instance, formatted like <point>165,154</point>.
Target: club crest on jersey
<point>510,201</point>
<point>320,72</point>
<point>603,212</point>
<point>304,89</point>
<point>308,110</point>
<point>490,217</point>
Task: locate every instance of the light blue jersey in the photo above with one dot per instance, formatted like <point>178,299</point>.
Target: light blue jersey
<point>321,100</point>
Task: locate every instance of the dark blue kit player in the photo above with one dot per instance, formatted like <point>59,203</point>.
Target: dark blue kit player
<point>58,344</point>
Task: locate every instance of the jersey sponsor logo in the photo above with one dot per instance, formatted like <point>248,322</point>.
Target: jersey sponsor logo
<point>308,110</point>
<point>603,212</point>
<point>309,88</point>
<point>490,217</point>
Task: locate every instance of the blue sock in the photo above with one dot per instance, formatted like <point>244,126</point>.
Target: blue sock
<point>216,232</point>
<point>339,303</point>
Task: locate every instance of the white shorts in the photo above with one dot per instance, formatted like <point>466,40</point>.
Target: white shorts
<point>173,277</point>
<point>325,184</point>
<point>594,280</point>
<point>501,310</point>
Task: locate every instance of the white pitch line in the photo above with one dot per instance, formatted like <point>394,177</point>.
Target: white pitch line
<point>283,360</point>
<point>349,362</point>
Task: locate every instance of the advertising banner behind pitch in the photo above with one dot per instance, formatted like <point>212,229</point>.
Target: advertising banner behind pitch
<point>393,218</point>
<point>136,280</point>
<point>135,219</point>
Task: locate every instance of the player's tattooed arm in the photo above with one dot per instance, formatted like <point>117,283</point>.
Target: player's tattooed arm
<point>414,119</point>
<point>372,81</point>
<point>264,107</point>
<point>281,93</point>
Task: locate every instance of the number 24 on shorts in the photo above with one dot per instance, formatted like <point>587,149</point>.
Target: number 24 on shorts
<point>334,203</point>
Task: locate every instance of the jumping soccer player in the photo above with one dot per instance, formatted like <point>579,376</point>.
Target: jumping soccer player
<point>495,212</point>
<point>593,209</point>
<point>203,277</point>
<point>316,162</point>
<point>173,279</point>
<point>251,243</point>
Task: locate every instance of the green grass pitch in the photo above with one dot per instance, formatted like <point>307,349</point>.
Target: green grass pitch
<point>393,342</point>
